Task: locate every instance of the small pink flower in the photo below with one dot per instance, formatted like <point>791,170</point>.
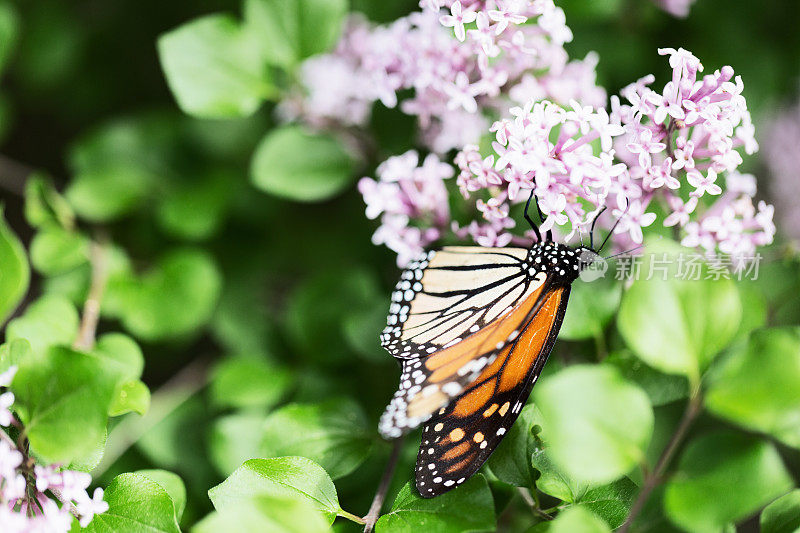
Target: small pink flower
<point>457,19</point>
<point>683,154</point>
<point>680,211</point>
<point>461,94</point>
<point>703,184</point>
<point>507,12</point>
<point>644,146</point>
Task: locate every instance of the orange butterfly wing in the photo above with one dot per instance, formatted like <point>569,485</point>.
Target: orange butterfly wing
<point>459,439</point>
<point>469,304</point>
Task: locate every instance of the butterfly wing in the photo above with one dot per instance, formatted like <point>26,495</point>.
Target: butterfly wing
<point>459,439</point>
<point>445,294</point>
<point>466,305</point>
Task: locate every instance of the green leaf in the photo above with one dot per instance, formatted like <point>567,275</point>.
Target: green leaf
<point>598,424</point>
<point>242,322</point>
<point>699,497</point>
<point>49,321</point>
<point>130,396</point>
<point>234,439</point>
<point>318,310</point>
<point>136,504</point>
<point>758,385</point>
<point>44,206</point>
<point>194,210</point>
<point>466,508</point>
<point>14,272</point>
<point>89,461</point>
<point>677,325</point>
<point>115,168</point>
<point>121,359</point>
<point>754,309</point>
<point>611,502</point>
<point>577,520</point>
<point>173,484</point>
<point>511,461</point>
<point>301,166</point>
<point>292,30</point>
<point>660,388</point>
<point>553,481</point>
<point>361,329</point>
<point>265,513</point>
<point>55,250</point>
<point>782,515</point>
<point>178,441</point>
<point>243,382</point>
<point>13,352</point>
<point>332,433</point>
<point>62,397</point>
<point>121,355</point>
<point>592,305</point>
<point>281,477</point>
<point>214,68</point>
<point>175,298</point>
<point>9,25</point>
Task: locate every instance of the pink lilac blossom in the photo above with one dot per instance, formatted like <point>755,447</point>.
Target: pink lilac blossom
<point>550,151</point>
<point>57,495</point>
<point>461,60</point>
<point>781,139</point>
<point>679,142</point>
<point>676,148</point>
<point>404,192</point>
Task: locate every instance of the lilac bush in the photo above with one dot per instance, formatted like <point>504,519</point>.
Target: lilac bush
<point>460,77</point>
<point>672,153</point>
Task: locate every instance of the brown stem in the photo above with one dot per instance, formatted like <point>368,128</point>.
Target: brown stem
<point>652,479</point>
<point>383,487</point>
<point>60,497</point>
<point>670,130</point>
<point>533,504</point>
<point>91,308</point>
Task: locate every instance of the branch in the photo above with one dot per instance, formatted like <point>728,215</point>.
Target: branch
<point>91,308</point>
<point>164,401</point>
<point>4,436</point>
<point>533,504</point>
<point>67,503</point>
<point>383,487</point>
<point>652,479</point>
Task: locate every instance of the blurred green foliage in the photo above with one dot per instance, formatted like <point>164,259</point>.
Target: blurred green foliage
<point>238,264</point>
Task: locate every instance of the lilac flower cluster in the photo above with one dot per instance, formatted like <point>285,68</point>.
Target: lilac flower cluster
<point>668,148</point>
<point>36,498</point>
<point>678,142</point>
<point>498,45</point>
<point>551,151</point>
<point>655,151</point>
<point>405,192</point>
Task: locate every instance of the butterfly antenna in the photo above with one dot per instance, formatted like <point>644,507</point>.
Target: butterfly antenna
<point>591,231</point>
<point>611,232</point>
<point>534,227</point>
<point>549,235</point>
<point>623,253</point>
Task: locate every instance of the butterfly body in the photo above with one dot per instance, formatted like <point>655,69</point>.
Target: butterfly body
<point>472,328</point>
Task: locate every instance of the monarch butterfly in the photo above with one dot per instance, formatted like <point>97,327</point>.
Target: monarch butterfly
<point>472,328</point>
